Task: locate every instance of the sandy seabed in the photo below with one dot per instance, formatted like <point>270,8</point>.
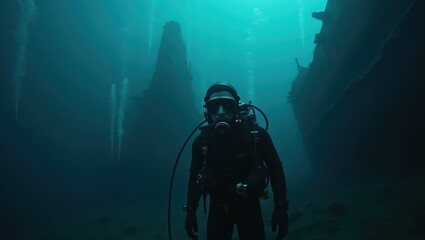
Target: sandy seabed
<point>391,210</point>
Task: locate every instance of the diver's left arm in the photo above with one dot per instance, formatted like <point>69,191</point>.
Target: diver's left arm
<point>274,165</point>
<point>278,182</point>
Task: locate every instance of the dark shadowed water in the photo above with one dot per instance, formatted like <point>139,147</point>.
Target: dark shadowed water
<point>71,72</point>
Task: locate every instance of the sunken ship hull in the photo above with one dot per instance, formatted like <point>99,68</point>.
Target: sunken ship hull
<point>359,104</point>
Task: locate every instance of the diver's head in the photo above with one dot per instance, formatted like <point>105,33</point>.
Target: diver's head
<point>221,103</point>
<point>221,106</point>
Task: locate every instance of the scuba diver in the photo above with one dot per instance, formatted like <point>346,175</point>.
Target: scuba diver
<point>233,160</point>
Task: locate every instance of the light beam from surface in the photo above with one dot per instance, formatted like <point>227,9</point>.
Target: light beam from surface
<point>28,9</point>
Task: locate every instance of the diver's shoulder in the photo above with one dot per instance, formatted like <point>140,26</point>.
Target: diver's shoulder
<point>198,138</point>
<point>262,130</point>
<point>263,134</point>
<point>197,142</point>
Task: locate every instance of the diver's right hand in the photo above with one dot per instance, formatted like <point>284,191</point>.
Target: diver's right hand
<point>191,225</point>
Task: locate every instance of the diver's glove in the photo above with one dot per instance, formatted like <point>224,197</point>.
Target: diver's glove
<point>280,219</point>
<point>191,224</point>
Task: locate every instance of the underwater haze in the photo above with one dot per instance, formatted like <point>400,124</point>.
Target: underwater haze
<point>75,159</point>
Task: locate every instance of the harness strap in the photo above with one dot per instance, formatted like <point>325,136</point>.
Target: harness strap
<point>204,139</point>
<point>258,163</point>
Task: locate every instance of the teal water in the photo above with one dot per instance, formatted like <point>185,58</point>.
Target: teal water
<point>72,69</point>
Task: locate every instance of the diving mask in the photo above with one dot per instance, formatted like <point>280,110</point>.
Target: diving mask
<point>222,111</point>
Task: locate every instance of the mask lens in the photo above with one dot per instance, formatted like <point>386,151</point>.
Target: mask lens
<point>227,104</point>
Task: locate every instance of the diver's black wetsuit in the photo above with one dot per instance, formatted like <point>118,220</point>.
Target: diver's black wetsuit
<point>230,160</point>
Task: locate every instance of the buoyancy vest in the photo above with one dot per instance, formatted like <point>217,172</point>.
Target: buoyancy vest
<point>241,173</point>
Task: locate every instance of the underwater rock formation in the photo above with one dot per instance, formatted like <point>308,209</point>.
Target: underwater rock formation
<point>359,104</point>
<point>166,112</point>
